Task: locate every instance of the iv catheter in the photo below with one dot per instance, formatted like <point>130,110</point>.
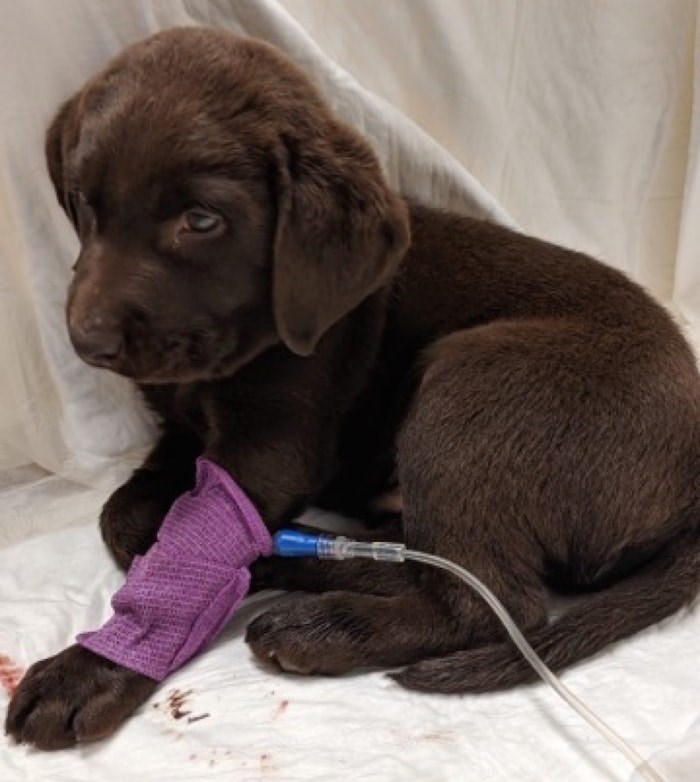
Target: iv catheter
<point>293,543</point>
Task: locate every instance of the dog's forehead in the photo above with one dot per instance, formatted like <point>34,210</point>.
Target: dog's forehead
<point>149,134</point>
<point>187,98</point>
<point>127,144</point>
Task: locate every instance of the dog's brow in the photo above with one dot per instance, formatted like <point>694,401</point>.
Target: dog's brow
<point>214,189</point>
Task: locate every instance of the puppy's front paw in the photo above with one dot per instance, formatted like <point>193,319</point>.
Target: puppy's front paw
<point>310,634</point>
<point>75,696</point>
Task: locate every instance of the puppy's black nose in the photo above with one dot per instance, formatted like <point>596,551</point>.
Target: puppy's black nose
<point>98,346</point>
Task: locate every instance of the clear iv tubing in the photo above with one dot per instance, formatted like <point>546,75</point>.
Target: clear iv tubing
<point>292,543</point>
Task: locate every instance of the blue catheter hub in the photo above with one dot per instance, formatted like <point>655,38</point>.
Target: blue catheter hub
<point>293,543</point>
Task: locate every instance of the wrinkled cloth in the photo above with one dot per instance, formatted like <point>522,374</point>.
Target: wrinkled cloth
<point>179,596</point>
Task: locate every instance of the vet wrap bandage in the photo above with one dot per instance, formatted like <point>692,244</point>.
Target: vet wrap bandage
<point>179,596</point>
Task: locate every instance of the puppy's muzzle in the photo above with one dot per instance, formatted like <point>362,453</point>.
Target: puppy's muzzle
<point>97,343</point>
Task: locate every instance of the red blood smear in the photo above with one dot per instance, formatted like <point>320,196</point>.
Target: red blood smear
<point>10,675</point>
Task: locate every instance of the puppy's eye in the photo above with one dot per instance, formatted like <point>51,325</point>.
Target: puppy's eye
<point>201,221</point>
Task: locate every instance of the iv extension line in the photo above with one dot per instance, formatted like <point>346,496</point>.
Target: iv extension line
<point>292,543</point>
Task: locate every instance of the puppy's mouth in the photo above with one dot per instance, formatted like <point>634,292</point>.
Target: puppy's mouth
<point>180,361</point>
<point>164,376</point>
<point>177,358</point>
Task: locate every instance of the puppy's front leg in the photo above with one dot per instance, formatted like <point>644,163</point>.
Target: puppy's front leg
<point>277,448</point>
<point>132,516</point>
<point>78,695</point>
<point>72,697</point>
<point>278,455</point>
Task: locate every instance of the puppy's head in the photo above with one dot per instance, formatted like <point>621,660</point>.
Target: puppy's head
<point>221,209</point>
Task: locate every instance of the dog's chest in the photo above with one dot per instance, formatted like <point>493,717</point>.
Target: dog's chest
<point>179,404</point>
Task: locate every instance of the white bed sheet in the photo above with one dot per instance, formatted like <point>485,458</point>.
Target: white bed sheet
<point>68,434</point>
<point>268,726</point>
<point>364,727</point>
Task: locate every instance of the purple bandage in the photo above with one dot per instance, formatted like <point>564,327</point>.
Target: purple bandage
<point>179,596</point>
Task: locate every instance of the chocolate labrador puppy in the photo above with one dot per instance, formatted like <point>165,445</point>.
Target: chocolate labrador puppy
<point>288,315</point>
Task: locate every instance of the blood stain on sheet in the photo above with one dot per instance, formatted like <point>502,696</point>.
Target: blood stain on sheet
<point>284,705</point>
<point>176,700</point>
<point>10,675</point>
<point>438,736</point>
<point>198,717</point>
<point>266,765</point>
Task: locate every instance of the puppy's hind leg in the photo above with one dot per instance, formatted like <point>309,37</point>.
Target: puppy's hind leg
<point>451,508</point>
<point>319,575</point>
<point>405,614</point>
<point>555,445</point>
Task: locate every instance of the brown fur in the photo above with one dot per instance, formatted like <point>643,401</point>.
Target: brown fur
<point>539,412</point>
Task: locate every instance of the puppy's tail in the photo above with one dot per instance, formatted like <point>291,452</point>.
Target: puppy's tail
<point>661,587</point>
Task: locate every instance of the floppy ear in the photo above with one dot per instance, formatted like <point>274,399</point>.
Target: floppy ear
<point>54,149</point>
<point>341,233</point>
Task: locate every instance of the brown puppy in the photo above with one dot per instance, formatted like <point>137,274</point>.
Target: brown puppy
<point>245,263</point>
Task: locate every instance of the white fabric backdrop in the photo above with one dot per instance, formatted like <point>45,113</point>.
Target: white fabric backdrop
<point>576,119</point>
<point>574,115</point>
